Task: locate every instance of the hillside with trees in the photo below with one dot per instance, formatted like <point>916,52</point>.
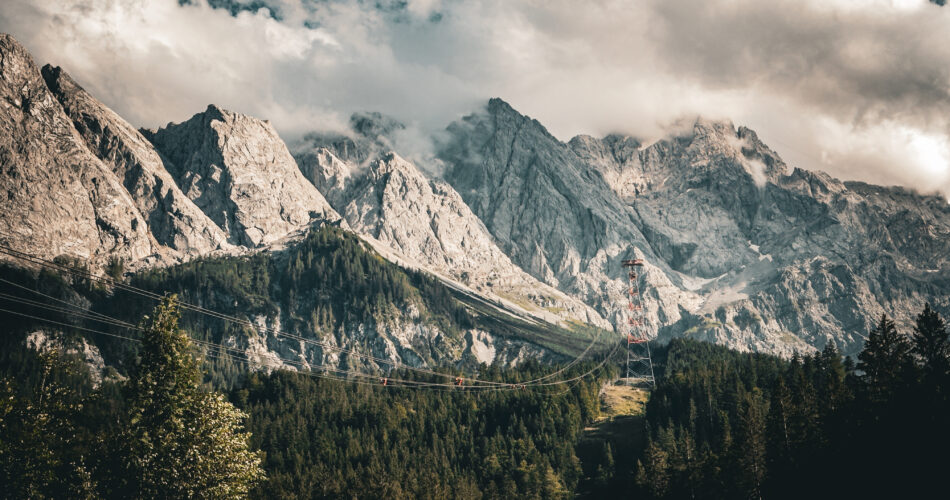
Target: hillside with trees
<point>724,424</point>
<point>172,420</point>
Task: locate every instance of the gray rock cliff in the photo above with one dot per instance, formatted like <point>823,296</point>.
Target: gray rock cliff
<point>172,217</point>
<point>739,250</point>
<point>58,198</point>
<point>424,220</point>
<point>238,171</point>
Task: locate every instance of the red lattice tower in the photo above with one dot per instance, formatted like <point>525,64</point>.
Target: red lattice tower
<point>639,363</point>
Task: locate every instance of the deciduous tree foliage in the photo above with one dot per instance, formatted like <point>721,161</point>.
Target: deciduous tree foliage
<point>159,436</point>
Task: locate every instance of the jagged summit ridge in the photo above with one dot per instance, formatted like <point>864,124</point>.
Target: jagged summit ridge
<point>425,221</point>
<point>172,217</point>
<point>80,181</point>
<point>744,252</point>
<point>58,198</point>
<point>240,173</point>
<point>550,212</point>
<point>739,250</point>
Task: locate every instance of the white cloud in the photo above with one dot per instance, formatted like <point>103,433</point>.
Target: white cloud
<point>859,89</point>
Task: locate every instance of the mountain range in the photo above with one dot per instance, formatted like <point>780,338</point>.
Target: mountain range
<point>740,249</point>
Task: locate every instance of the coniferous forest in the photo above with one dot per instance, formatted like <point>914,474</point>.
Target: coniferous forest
<point>720,424</point>
<point>724,424</point>
<point>168,422</point>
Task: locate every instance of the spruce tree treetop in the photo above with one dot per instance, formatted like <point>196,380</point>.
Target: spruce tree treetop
<point>931,342</point>
<point>884,360</point>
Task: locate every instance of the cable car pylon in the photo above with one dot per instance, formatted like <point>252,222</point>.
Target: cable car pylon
<point>639,363</point>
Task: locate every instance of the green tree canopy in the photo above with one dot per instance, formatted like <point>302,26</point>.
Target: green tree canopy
<point>930,341</point>
<point>182,442</point>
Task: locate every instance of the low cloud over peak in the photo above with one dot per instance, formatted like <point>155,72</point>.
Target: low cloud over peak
<point>858,89</point>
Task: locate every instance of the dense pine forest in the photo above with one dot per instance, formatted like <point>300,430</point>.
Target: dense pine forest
<point>330,440</point>
<point>724,424</point>
<point>147,437</point>
<point>719,424</point>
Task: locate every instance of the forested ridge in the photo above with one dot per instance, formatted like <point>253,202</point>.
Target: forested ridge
<point>719,424</point>
<point>323,287</point>
<point>724,424</point>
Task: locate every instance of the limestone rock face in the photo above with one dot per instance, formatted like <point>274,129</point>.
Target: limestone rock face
<point>556,217</point>
<point>739,250</point>
<point>57,197</point>
<point>796,252</point>
<point>424,220</point>
<point>172,217</point>
<point>616,157</point>
<point>240,174</point>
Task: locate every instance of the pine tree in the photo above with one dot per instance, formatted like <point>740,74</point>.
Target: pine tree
<point>930,342</point>
<point>653,472</point>
<point>884,361</point>
<point>752,443</point>
<point>779,426</point>
<point>181,442</point>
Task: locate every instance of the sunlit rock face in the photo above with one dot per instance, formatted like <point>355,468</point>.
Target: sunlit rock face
<point>57,197</point>
<point>423,219</point>
<point>172,217</point>
<point>238,171</point>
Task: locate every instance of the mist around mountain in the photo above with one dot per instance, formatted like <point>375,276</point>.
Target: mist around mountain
<point>740,248</point>
<point>348,258</point>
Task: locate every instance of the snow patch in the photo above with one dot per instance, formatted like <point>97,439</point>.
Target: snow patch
<point>729,294</point>
<point>755,248</point>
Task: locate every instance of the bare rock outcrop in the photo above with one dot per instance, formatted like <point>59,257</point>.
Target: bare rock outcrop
<point>57,197</point>
<point>739,250</point>
<point>238,171</point>
<point>172,217</point>
<point>424,220</point>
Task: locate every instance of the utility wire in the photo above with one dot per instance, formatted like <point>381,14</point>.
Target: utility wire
<point>218,351</point>
<point>132,289</point>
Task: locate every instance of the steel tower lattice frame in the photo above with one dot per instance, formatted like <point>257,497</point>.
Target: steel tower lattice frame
<point>639,361</point>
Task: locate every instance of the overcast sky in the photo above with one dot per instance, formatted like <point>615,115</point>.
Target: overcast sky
<point>857,88</point>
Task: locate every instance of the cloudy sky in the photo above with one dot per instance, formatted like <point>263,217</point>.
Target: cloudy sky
<point>857,88</point>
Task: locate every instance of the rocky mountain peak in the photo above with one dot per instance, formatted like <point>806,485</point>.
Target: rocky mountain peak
<point>370,135</point>
<point>427,224</point>
<point>240,173</point>
<point>173,219</point>
<point>500,115</point>
<point>16,66</point>
<point>58,198</point>
<point>374,125</point>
